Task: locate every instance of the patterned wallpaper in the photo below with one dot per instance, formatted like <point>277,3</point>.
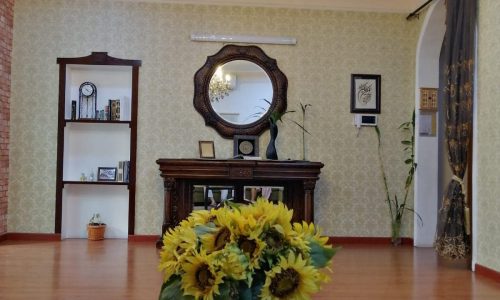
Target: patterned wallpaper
<point>488,252</point>
<point>331,45</point>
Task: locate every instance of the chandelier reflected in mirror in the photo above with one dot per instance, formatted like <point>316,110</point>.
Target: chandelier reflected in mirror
<point>220,85</point>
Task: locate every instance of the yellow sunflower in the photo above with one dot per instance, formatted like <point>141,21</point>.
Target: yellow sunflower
<point>258,210</point>
<point>200,217</point>
<point>291,279</point>
<point>310,232</point>
<point>177,243</point>
<point>217,238</point>
<point>252,247</point>
<point>232,262</point>
<point>200,280</point>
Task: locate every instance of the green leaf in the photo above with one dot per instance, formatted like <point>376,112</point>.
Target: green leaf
<point>204,229</point>
<point>172,290</point>
<point>228,290</point>
<point>321,256</point>
<point>406,142</point>
<point>301,127</point>
<point>259,279</point>
<point>408,161</point>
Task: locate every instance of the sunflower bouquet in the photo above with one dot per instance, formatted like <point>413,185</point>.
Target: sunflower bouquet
<point>243,252</point>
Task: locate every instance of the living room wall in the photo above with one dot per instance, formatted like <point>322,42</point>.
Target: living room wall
<point>332,45</point>
<point>488,202</point>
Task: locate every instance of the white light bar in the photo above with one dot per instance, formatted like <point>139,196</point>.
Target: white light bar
<point>250,39</point>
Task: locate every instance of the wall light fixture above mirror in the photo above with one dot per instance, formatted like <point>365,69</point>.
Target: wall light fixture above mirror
<point>237,89</point>
<point>240,38</point>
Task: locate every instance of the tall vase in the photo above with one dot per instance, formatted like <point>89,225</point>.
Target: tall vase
<point>271,148</point>
<point>396,233</point>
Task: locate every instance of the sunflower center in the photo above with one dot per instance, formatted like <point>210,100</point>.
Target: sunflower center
<point>204,278</point>
<point>274,240</point>
<point>284,283</point>
<point>180,250</point>
<point>248,246</point>
<point>222,237</point>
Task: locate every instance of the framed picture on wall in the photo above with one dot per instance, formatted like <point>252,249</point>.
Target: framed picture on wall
<point>207,149</point>
<point>365,93</point>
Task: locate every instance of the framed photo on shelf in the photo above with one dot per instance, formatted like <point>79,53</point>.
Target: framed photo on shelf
<point>365,93</point>
<point>114,110</point>
<point>246,145</point>
<point>106,174</point>
<point>207,149</point>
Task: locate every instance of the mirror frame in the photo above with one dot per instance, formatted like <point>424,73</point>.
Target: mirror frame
<point>229,53</point>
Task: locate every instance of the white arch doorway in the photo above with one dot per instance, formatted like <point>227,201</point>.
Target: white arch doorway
<point>431,170</point>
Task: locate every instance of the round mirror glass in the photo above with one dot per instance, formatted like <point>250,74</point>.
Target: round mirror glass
<point>240,92</point>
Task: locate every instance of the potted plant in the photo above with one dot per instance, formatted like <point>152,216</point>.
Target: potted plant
<point>398,206</point>
<point>95,228</point>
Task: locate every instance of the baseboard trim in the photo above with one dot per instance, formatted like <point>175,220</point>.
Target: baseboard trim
<point>24,236</point>
<point>143,238</point>
<point>3,237</point>
<point>358,240</point>
<point>487,272</point>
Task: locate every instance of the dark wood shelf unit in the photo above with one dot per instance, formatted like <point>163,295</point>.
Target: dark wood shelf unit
<point>96,59</point>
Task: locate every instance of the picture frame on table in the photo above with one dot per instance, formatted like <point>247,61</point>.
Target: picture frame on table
<point>365,93</point>
<point>106,174</point>
<point>207,149</point>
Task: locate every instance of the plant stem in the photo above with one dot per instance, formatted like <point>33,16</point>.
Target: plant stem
<point>303,135</point>
<point>388,199</point>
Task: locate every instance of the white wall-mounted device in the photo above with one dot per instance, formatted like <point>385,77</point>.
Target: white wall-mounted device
<point>365,120</point>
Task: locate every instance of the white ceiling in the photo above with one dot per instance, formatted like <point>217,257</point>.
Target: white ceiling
<point>397,6</point>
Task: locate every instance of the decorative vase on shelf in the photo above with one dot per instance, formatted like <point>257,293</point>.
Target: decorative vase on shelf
<point>271,148</point>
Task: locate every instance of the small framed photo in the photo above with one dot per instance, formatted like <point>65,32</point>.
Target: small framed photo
<point>246,145</point>
<point>365,93</point>
<point>114,110</point>
<point>207,149</point>
<point>106,174</point>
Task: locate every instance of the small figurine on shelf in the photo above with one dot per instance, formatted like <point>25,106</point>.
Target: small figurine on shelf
<point>83,177</point>
<point>91,176</point>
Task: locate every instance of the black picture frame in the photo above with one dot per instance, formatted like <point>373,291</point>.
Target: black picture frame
<point>106,174</point>
<point>207,149</point>
<point>365,93</point>
<point>246,145</point>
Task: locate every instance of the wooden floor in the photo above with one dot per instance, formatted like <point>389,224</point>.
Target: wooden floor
<point>117,269</point>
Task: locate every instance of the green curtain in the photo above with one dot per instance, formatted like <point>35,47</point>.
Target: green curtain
<point>456,91</point>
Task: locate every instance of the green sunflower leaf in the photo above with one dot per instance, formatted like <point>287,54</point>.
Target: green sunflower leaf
<point>172,290</point>
<point>259,279</point>
<point>321,256</point>
<point>204,229</point>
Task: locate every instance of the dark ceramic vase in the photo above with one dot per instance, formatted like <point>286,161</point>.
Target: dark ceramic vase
<point>271,148</point>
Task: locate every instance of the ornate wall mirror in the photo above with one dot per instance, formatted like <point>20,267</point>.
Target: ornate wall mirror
<point>237,89</point>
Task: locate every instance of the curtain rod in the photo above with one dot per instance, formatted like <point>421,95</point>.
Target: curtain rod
<point>416,12</point>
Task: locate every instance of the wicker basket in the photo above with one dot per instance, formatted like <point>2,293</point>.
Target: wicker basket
<point>96,232</point>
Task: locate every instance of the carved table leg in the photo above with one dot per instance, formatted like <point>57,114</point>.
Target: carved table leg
<point>309,200</point>
<point>169,190</point>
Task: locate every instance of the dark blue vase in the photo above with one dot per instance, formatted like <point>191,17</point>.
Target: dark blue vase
<point>271,148</point>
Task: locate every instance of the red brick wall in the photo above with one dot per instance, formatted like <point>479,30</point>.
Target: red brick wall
<point>6,24</point>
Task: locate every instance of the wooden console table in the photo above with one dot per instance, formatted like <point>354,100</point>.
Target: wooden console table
<point>180,175</point>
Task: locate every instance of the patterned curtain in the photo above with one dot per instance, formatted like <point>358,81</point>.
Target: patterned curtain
<point>456,91</point>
